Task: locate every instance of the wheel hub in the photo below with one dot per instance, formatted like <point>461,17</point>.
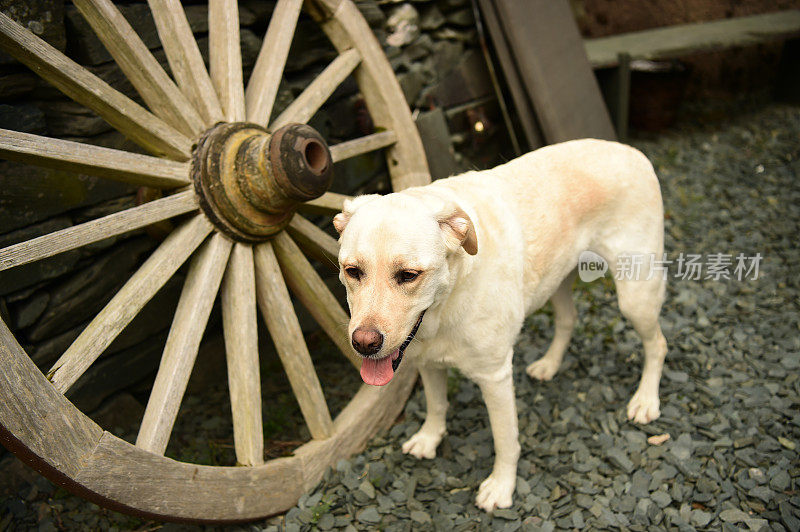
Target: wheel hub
<point>250,181</point>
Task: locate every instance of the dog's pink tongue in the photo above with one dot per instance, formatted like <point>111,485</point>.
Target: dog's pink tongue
<point>377,372</point>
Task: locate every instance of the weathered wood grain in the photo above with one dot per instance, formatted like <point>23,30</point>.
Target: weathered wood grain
<point>183,343</point>
<point>225,57</point>
<point>263,84</point>
<point>240,325</point>
<point>36,415</point>
<point>127,303</point>
<point>347,29</point>
<point>96,230</point>
<point>93,160</point>
<point>124,114</point>
<point>184,58</point>
<point>315,241</point>
<point>328,203</point>
<point>319,90</point>
<point>312,291</point>
<point>278,313</point>
<point>368,143</point>
<point>144,72</point>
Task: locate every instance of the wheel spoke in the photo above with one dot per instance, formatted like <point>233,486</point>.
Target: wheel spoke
<point>309,288</point>
<point>328,203</point>
<point>140,67</point>
<point>351,148</point>
<point>96,230</point>
<point>276,308</point>
<point>263,84</point>
<point>225,57</point>
<point>240,323</point>
<point>127,303</point>
<point>313,96</point>
<point>184,58</point>
<point>93,160</point>
<point>84,87</point>
<point>183,342</point>
<point>347,29</point>
<point>315,241</point>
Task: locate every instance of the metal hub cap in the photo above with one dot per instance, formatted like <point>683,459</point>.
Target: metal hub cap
<point>250,181</point>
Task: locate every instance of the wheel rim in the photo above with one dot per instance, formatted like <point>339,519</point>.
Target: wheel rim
<point>256,272</point>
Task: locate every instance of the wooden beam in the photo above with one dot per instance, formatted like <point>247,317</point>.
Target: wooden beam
<point>96,230</point>
<point>93,160</point>
<point>263,84</point>
<point>319,90</point>
<point>127,303</point>
<point>312,291</point>
<point>183,343</point>
<point>225,57</point>
<point>240,324</point>
<point>315,241</point>
<point>685,39</point>
<point>184,59</point>
<point>278,313</point>
<point>121,112</point>
<point>144,72</point>
<point>368,143</point>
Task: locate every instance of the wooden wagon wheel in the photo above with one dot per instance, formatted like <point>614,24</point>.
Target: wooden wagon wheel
<point>215,154</point>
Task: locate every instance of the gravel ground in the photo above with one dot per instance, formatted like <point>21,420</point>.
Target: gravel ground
<point>729,398</point>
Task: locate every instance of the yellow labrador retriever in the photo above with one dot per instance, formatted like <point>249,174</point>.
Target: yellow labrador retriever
<point>459,263</point>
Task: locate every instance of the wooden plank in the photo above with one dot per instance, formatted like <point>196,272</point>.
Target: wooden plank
<point>315,241</point>
<point>328,203</point>
<point>240,324</point>
<point>368,143</point>
<point>144,72</point>
<point>183,343</point>
<point>524,107</point>
<point>554,70</point>
<point>121,112</point>
<point>93,160</point>
<point>278,313</point>
<point>346,28</point>
<point>96,230</point>
<point>684,39</point>
<point>35,418</point>
<point>312,291</point>
<point>127,303</point>
<point>263,84</point>
<point>184,58</point>
<point>319,90</point>
<point>225,57</point>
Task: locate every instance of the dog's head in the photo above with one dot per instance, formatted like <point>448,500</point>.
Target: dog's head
<point>395,263</point>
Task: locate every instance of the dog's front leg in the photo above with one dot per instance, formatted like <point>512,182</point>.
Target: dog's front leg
<point>497,490</point>
<point>423,444</point>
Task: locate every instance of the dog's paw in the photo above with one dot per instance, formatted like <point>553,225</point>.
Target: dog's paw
<point>543,369</point>
<point>495,492</point>
<point>422,445</point>
<point>643,408</point>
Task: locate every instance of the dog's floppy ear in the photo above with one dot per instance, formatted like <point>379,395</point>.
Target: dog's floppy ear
<point>458,229</point>
<point>350,207</point>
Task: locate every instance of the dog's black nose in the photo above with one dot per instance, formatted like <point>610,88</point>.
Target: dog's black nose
<point>367,341</point>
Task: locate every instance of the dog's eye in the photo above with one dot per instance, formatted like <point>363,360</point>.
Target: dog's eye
<point>353,272</point>
<point>406,276</point>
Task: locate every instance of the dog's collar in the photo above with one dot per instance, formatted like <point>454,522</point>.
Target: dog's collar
<point>404,345</point>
